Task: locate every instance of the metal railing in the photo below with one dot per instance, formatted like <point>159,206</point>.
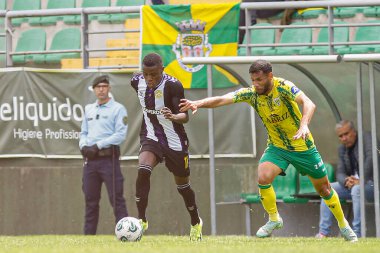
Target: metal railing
<point>84,13</point>
<point>86,33</point>
<point>329,5</point>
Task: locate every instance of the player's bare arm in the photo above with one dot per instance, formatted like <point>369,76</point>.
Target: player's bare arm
<point>210,102</point>
<point>180,118</point>
<point>308,108</point>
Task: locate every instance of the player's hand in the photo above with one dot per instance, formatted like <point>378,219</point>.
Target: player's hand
<point>90,151</point>
<point>168,113</point>
<point>186,104</point>
<point>303,132</point>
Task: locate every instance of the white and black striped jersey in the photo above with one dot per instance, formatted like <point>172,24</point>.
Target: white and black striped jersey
<point>154,125</point>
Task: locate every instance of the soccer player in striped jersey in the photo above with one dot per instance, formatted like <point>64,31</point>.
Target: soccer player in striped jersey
<point>276,101</point>
<point>163,137</point>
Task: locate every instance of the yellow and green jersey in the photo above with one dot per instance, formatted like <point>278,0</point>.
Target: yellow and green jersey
<point>279,113</point>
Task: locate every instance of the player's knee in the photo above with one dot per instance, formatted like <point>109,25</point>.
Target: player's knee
<point>265,178</point>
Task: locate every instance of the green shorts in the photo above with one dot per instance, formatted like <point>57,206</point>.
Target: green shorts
<point>307,162</point>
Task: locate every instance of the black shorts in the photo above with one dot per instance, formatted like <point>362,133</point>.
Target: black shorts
<point>177,162</point>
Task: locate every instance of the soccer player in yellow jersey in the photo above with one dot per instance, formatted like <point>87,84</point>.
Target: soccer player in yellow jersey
<point>276,101</point>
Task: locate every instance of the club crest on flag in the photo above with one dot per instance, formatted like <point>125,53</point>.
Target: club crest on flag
<point>191,42</point>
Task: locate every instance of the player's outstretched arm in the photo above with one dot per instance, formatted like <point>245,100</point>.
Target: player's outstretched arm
<point>180,118</point>
<point>210,102</point>
<point>308,108</point>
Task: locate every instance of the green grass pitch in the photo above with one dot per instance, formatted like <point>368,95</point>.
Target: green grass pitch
<point>181,244</point>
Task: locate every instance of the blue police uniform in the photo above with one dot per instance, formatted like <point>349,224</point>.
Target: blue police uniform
<point>106,126</point>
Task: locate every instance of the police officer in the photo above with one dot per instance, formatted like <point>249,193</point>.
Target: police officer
<point>104,128</point>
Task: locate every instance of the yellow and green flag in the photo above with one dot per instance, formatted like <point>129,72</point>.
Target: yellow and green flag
<point>176,31</point>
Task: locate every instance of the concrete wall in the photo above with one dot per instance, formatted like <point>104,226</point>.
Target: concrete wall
<point>44,197</point>
<point>40,196</point>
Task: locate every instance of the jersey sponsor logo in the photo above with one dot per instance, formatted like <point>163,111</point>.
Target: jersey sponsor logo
<point>277,101</point>
<point>294,90</point>
<point>158,94</point>
<point>275,118</point>
<point>155,112</point>
<point>191,42</point>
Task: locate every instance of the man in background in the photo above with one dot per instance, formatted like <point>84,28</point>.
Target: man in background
<point>348,177</point>
<point>104,128</point>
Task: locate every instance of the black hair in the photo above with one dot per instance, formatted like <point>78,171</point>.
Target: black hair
<point>260,65</point>
<point>100,79</point>
<point>152,59</point>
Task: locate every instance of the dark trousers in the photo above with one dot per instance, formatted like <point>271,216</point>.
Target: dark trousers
<point>95,172</point>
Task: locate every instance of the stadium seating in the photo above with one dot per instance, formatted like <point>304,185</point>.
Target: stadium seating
<point>309,13</point>
<point>292,35</point>
<point>348,12</point>
<point>259,36</point>
<point>119,18</point>
<point>52,20</point>
<point>76,19</point>
<point>372,11</point>
<point>114,58</point>
<point>19,5</point>
<point>364,33</point>
<point>341,34</point>
<point>284,186</point>
<point>69,38</point>
<point>30,40</point>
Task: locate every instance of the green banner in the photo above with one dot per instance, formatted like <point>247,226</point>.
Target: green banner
<point>41,113</point>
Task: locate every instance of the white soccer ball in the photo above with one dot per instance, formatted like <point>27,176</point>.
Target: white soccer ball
<point>128,229</point>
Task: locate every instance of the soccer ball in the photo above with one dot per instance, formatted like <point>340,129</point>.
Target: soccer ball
<point>128,229</point>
